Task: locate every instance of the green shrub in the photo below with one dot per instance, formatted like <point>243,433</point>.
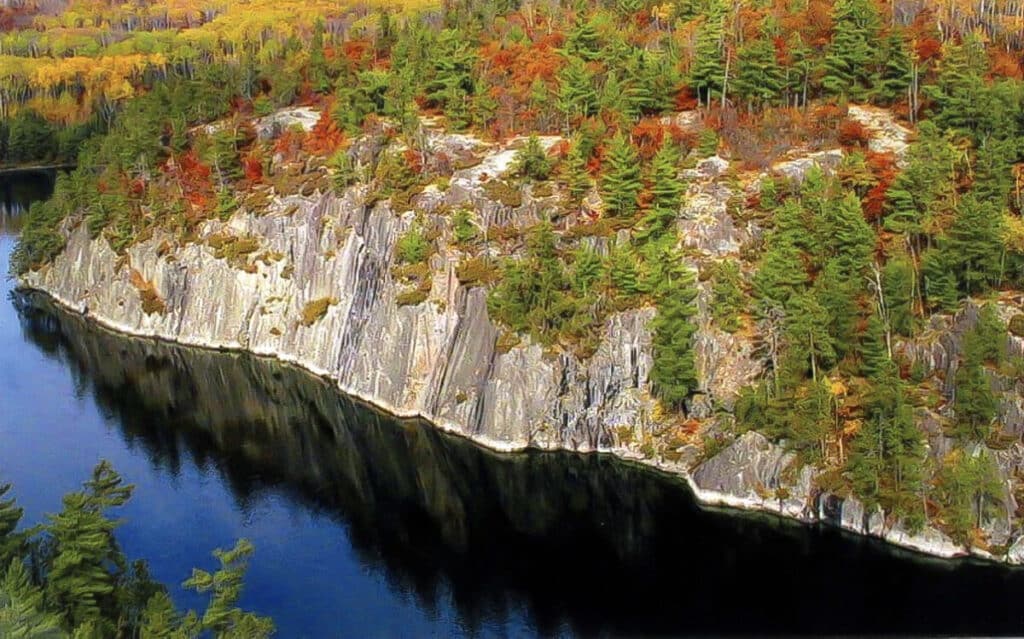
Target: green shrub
<point>413,247</point>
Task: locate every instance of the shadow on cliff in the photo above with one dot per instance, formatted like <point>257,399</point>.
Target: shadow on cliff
<point>585,544</point>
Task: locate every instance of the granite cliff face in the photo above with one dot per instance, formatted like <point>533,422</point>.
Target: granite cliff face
<point>317,285</point>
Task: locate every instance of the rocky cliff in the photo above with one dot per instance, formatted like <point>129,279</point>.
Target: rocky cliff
<point>312,277</point>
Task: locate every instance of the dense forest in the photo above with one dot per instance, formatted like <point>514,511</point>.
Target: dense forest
<point>69,578</point>
<point>853,260</point>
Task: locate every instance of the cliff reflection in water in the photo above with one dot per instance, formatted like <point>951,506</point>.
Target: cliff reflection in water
<point>584,543</point>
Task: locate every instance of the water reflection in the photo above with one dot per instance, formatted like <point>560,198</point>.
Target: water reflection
<point>583,544</point>
<point>17,192</point>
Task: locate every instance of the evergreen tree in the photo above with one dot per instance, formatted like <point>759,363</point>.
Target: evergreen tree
<point>887,458</point>
<point>968,490</point>
<point>575,174</point>
<point>222,616</point>
<point>940,282</point>
<point>975,244</point>
<point>875,360</point>
<point>976,405</point>
<point>22,611</point>
<point>12,543</point>
<point>960,90</point>
<point>781,275</point>
<point>587,270</point>
<point>850,239</point>
<point>577,97</point>
<point>79,582</point>
<point>583,41</point>
<point>620,184</point>
<point>807,332</point>
<point>532,161</point>
<point>318,72</point>
<point>839,293</point>
<point>623,271</point>
<point>666,197</point>
<point>898,286</point>
<point>674,373</point>
<point>759,79</point>
<point>986,342</point>
<point>851,56</point>
<point>707,76</point>
<point>897,69</point>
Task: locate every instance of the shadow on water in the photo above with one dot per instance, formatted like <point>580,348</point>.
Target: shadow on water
<point>586,543</point>
<point>17,192</point>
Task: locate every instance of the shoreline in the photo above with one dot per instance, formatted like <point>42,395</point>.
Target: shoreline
<point>705,498</point>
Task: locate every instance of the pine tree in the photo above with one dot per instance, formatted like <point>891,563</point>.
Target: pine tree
<point>620,184</point>
<point>975,244</point>
<point>781,274</point>
<point>22,612</point>
<point>707,76</point>
<point>577,97</point>
<point>898,286</point>
<point>807,332</point>
<point>318,72</point>
<point>666,197</point>
<point>886,463</point>
<point>623,271</point>
<point>798,74</point>
<point>850,59</point>
<point>851,240</point>
<point>583,41</point>
<point>760,79</point>
<point>12,543</point>
<point>986,342</point>
<point>969,490</point>
<point>532,161</point>
<point>587,270</point>
<point>79,581</point>
<point>839,293</point>
<point>976,405</point>
<point>875,360</point>
<point>160,620</point>
<point>575,174</point>
<point>897,70</point>
<point>674,373</point>
<point>222,617</point>
<point>959,92</point>
<point>940,282</point>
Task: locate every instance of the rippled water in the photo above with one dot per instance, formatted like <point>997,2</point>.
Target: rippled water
<point>370,526</point>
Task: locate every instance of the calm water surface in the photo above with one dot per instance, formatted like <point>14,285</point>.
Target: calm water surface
<point>367,526</point>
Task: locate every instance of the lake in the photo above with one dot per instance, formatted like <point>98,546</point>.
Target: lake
<point>369,526</point>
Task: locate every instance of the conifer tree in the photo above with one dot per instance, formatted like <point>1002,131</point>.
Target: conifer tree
<point>12,543</point>
<point>222,616</point>
<point>623,271</point>
<point>79,582</point>
<point>674,373</point>
<point>620,184</point>
<point>22,611</point>
<point>577,97</point>
<point>666,196</point>
<point>850,59</point>
<point>896,75</point>
<point>807,332</point>
<point>875,360</point>
<point>707,76</point>
<point>587,270</point>
<point>782,274</point>
<point>318,72</point>
<point>898,286</point>
<point>968,490</point>
<point>759,77</point>
<point>583,41</point>
<point>838,293</point>
<point>975,244</point>
<point>851,240</point>
<point>887,457</point>
<point>575,174</point>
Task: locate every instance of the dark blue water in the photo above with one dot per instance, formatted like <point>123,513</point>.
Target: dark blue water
<point>367,526</point>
